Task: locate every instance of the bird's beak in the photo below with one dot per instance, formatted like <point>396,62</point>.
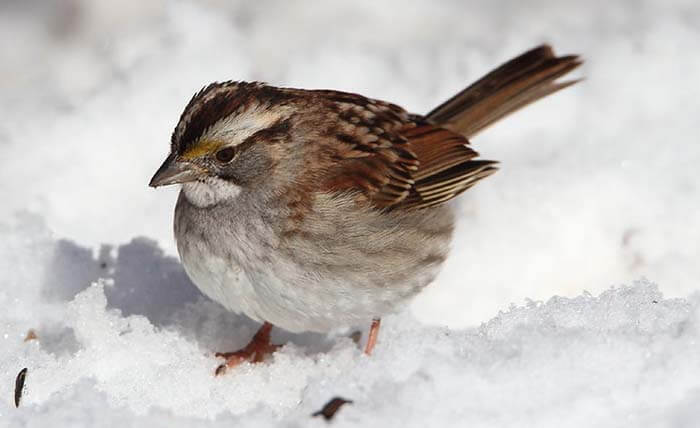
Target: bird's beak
<point>175,171</point>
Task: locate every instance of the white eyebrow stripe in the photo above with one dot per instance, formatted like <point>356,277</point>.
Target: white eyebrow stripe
<point>236,128</point>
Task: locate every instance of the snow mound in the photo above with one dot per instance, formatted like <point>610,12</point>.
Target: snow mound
<point>625,357</point>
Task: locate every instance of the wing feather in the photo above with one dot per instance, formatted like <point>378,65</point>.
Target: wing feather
<point>404,161</point>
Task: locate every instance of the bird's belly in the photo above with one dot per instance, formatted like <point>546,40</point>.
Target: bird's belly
<point>288,296</point>
<point>219,278</point>
<point>292,297</point>
<point>306,282</point>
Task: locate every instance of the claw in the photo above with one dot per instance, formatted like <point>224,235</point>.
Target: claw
<point>255,351</point>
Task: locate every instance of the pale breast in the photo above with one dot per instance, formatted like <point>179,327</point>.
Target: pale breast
<point>342,266</point>
<point>204,251</point>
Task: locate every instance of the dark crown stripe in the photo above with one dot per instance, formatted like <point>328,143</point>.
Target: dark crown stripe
<point>208,106</point>
<point>216,102</point>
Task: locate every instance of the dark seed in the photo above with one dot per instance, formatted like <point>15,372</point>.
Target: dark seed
<point>331,408</point>
<point>19,385</point>
<point>31,335</point>
<point>220,370</point>
<point>356,336</point>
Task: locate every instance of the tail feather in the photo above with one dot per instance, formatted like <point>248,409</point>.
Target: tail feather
<point>508,88</point>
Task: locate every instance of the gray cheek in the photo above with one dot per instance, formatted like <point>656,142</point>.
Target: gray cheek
<point>247,167</point>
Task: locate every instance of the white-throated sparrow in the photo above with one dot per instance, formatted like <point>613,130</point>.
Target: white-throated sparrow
<point>313,209</point>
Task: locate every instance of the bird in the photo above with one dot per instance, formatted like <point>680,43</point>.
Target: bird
<point>312,210</point>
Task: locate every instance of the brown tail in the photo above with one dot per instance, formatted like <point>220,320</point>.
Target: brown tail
<point>513,85</point>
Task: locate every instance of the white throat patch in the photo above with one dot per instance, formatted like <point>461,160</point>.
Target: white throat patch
<point>210,192</point>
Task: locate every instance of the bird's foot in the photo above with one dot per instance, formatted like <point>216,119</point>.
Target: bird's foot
<point>254,352</point>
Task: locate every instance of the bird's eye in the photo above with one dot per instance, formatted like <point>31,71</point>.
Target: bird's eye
<point>225,155</point>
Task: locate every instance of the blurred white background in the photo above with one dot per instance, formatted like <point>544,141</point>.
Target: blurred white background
<point>598,185</point>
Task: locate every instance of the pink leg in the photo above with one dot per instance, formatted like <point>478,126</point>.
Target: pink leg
<point>255,351</point>
<point>372,338</point>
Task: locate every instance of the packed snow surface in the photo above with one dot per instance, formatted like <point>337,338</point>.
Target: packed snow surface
<point>627,357</point>
<point>598,187</point>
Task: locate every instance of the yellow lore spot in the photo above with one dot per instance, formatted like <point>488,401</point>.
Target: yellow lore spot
<point>201,148</point>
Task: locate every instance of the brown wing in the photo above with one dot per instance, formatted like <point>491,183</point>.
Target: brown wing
<point>404,161</point>
<point>399,161</point>
<point>370,155</point>
<point>446,166</point>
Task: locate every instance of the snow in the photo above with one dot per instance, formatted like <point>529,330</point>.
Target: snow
<point>626,355</point>
<point>598,188</point>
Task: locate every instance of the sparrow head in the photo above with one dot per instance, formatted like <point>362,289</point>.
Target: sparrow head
<point>230,136</point>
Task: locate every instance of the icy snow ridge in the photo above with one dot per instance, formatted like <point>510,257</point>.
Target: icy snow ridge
<point>626,357</point>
